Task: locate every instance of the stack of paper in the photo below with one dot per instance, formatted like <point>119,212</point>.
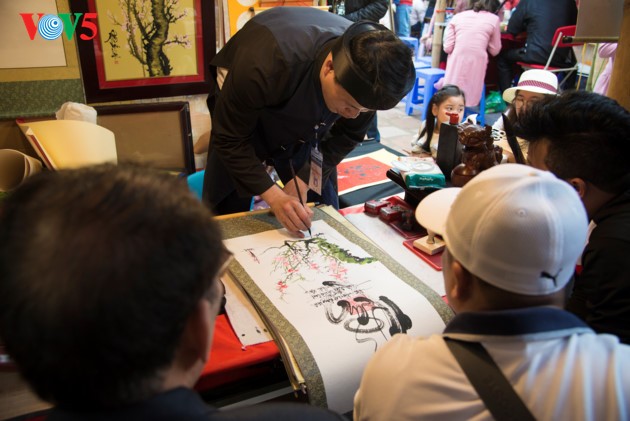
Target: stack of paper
<point>70,143</point>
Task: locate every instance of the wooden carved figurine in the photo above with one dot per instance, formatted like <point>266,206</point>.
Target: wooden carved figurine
<point>478,152</point>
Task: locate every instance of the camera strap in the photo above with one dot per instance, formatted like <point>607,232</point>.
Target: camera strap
<point>486,377</point>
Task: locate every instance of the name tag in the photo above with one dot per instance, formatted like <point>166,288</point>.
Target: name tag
<point>315,179</point>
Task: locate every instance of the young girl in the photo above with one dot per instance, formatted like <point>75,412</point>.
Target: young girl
<point>533,85</point>
<point>449,99</point>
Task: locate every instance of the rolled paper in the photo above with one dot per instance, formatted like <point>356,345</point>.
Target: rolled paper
<point>15,167</point>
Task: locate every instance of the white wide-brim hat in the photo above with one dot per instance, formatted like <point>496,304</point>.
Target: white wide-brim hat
<point>535,80</point>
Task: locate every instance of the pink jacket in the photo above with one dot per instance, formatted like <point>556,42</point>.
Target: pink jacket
<point>468,39</point>
<point>608,51</point>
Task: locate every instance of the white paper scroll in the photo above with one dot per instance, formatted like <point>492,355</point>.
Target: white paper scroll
<point>343,303</point>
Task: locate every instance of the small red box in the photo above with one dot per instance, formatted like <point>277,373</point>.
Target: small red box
<point>373,207</point>
<point>391,213</point>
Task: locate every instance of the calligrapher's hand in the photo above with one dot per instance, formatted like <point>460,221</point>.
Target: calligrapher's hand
<point>288,209</point>
<point>289,189</point>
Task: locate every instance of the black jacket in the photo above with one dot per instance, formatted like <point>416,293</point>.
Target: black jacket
<point>373,10</point>
<point>271,103</point>
<point>540,19</point>
<point>601,293</point>
<point>185,404</point>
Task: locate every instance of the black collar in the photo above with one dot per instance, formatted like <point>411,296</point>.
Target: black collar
<point>176,404</point>
<point>532,323</point>
<point>612,207</point>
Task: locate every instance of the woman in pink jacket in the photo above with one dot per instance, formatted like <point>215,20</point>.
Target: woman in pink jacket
<point>468,39</point>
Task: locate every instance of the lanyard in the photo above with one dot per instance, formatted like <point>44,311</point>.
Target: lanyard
<point>321,126</point>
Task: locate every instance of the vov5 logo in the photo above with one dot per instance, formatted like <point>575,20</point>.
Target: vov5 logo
<point>50,27</point>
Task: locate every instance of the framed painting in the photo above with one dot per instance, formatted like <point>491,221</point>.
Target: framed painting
<point>146,48</point>
<point>158,135</point>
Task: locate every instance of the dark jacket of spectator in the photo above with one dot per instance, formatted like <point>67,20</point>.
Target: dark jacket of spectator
<point>372,10</point>
<point>540,19</point>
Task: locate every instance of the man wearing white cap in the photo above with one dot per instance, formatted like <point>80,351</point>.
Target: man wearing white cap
<point>513,235</point>
<point>532,86</point>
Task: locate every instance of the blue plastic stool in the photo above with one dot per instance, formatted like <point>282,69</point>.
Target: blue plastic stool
<point>481,117</point>
<point>421,64</point>
<point>412,43</point>
<point>424,59</point>
<point>195,183</point>
<point>422,91</point>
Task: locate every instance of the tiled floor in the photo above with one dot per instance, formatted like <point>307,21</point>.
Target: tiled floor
<point>397,128</point>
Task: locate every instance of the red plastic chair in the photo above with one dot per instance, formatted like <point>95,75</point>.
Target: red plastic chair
<point>558,41</point>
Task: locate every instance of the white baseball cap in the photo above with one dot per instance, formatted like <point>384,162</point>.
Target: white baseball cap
<point>534,80</point>
<point>515,227</point>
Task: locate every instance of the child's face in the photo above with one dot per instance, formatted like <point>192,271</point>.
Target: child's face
<point>525,99</point>
<point>454,104</point>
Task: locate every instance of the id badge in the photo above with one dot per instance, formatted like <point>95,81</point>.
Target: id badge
<point>315,179</point>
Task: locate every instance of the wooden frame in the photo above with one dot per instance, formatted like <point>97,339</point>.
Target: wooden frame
<point>157,134</point>
<point>111,63</point>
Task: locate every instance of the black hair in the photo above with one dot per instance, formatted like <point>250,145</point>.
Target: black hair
<point>587,135</point>
<point>447,91</point>
<point>484,5</point>
<point>100,268</point>
<point>385,60</point>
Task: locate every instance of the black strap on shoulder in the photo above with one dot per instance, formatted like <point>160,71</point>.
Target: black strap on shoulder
<point>493,387</point>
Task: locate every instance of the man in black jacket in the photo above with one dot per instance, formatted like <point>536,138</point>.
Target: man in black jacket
<point>295,81</point>
<point>582,138</point>
<point>540,19</point>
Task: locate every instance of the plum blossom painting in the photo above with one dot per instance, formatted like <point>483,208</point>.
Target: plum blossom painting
<point>148,38</point>
<point>342,301</point>
<point>147,48</point>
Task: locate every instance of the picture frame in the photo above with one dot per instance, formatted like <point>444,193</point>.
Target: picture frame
<point>158,135</point>
<point>115,66</point>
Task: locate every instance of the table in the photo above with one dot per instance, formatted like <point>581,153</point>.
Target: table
<point>258,367</point>
<point>392,243</point>
<point>381,190</point>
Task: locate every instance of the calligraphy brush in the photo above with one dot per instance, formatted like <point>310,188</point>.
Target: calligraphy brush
<point>297,189</point>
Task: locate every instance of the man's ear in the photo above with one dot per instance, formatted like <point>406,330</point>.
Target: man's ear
<point>461,289</point>
<point>327,67</point>
<point>579,185</point>
<point>197,337</point>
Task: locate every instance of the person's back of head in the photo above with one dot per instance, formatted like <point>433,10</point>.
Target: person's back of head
<point>100,269</point>
<point>484,5</point>
<point>586,135</point>
<point>516,230</point>
<point>373,65</point>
